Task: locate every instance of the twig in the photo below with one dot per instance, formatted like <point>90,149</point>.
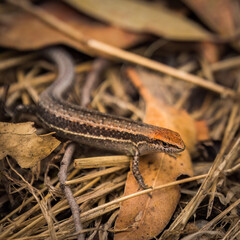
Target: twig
<point>67,191</point>
<point>119,200</point>
<point>108,224</point>
<point>233,232</point>
<point>42,204</point>
<point>43,79</point>
<point>197,235</point>
<point>12,62</point>
<point>25,203</point>
<point>103,161</point>
<point>220,216</point>
<point>93,175</point>
<point>225,64</point>
<point>3,99</point>
<point>92,79</point>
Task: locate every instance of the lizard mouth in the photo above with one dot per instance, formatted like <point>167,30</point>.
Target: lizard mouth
<point>176,149</point>
<point>182,149</point>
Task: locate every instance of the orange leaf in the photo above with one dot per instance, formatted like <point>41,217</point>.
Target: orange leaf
<point>202,131</point>
<point>146,217</point>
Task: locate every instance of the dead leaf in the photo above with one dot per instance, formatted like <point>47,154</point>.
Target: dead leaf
<point>22,31</point>
<point>142,16</point>
<point>146,217</point>
<point>209,52</point>
<point>202,130</point>
<point>219,15</point>
<point>21,142</point>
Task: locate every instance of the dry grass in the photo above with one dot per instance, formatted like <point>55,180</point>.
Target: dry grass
<point>32,204</point>
<point>41,211</point>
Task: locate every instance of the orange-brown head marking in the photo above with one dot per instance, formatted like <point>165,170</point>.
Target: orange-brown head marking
<point>168,136</point>
<point>160,140</point>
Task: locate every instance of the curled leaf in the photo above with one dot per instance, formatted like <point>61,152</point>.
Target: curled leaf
<point>21,142</point>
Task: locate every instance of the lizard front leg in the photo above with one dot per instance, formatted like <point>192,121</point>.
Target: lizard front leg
<point>136,172</point>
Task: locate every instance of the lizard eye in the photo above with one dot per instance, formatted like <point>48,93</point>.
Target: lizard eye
<point>164,144</point>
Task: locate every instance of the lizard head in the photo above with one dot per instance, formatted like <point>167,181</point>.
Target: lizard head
<point>162,140</point>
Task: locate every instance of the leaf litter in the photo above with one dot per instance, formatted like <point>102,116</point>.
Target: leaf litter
<point>99,196</point>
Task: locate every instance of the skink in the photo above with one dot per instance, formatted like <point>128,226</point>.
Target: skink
<point>97,129</point>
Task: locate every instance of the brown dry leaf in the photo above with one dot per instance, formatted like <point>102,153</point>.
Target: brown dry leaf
<point>146,217</point>
<point>22,31</point>
<point>202,130</point>
<point>142,16</point>
<point>219,15</point>
<point>209,52</point>
<point>21,142</point>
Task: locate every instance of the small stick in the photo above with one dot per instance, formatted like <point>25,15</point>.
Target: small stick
<point>220,216</point>
<point>44,79</point>
<point>67,191</point>
<point>92,79</point>
<point>105,161</point>
<point>12,62</point>
<point>3,99</point>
